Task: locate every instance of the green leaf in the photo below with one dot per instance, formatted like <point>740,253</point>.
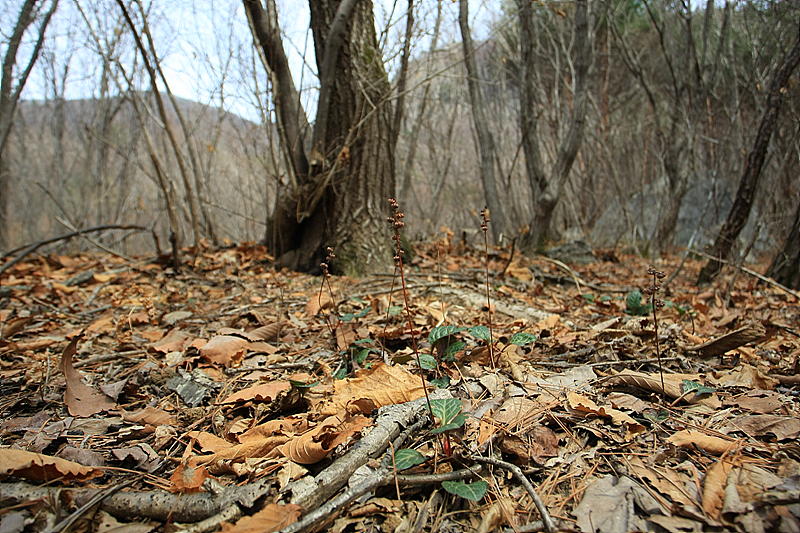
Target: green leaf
<point>589,297</point>
<point>697,388</point>
<point>634,303</point>
<point>428,362</point>
<point>302,386</point>
<point>442,332</point>
<point>456,423</point>
<point>442,383</point>
<point>446,409</point>
<point>481,332</point>
<point>407,458</point>
<point>361,355</point>
<point>402,358</point>
<point>395,310</point>
<point>660,417</point>
<point>341,373</point>
<point>453,349</point>
<point>522,338</point>
<point>470,491</point>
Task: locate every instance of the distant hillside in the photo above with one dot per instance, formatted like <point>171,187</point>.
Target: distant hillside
<point>88,161</point>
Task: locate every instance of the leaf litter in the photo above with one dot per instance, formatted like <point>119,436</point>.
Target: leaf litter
<point>233,397</point>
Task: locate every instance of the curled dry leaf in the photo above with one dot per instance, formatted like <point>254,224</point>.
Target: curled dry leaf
<point>40,467</point>
<point>81,399</point>
<point>672,385</point>
<point>315,445</point>
<point>689,439</point>
<point>580,404</point>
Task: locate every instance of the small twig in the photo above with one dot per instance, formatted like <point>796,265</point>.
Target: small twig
<point>517,471</point>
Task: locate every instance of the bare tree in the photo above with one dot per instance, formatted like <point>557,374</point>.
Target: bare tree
<point>547,189</point>
<point>337,191</point>
<point>743,202</point>
<point>10,91</point>
<point>485,141</point>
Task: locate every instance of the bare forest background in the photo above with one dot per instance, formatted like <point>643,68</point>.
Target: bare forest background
<point>674,95</point>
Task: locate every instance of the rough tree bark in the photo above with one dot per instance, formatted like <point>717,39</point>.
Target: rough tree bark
<point>547,190</point>
<point>338,190</point>
<point>742,203</point>
<point>485,140</point>
<point>9,93</point>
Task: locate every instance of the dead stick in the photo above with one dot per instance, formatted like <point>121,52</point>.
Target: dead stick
<point>517,471</point>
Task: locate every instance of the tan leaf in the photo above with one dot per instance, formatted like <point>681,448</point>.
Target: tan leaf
<point>318,301</point>
<point>382,384</point>
<point>266,392</point>
<point>272,517</point>
<point>21,463</point>
<point>315,445</point>
<point>174,341</point>
<point>187,478</point>
<point>225,349</point>
<point>81,399</point>
<point>150,415</point>
<point>714,488</point>
<point>208,442</point>
<point>688,438</point>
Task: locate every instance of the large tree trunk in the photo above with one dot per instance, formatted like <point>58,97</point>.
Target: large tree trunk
<point>485,139</point>
<point>785,266</point>
<point>740,210</point>
<point>338,193</point>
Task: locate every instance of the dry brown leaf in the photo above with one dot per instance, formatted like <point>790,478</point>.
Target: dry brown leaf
<point>266,392</point>
<point>226,349</point>
<point>150,415</point>
<point>208,442</point>
<point>730,341</point>
<point>318,301</point>
<point>582,405</point>
<point>381,385</point>
<point>29,465</point>
<point>673,384</point>
<point>315,445</point>
<point>174,341</point>
<point>272,517</point>
<point>187,478</point>
<point>714,488</point>
<point>286,426</point>
<point>783,427</point>
<point>689,438</point>
<point>81,399</point>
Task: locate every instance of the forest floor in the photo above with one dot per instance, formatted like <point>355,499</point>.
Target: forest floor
<point>231,396</point>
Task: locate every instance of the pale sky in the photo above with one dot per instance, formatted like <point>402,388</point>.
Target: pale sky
<point>204,44</point>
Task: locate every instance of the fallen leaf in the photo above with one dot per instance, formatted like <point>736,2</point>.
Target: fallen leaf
<point>272,517</point>
<point>29,465</point>
<point>266,392</point>
<point>381,385</point>
<point>689,438</point>
<point>81,399</point>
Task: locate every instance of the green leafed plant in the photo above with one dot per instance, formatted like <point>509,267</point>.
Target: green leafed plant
<point>634,303</point>
<point>448,411</point>
<point>481,332</point>
<point>470,491</point>
<point>522,338</point>
<point>406,458</point>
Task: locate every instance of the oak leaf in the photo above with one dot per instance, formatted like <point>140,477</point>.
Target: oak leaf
<point>40,467</point>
